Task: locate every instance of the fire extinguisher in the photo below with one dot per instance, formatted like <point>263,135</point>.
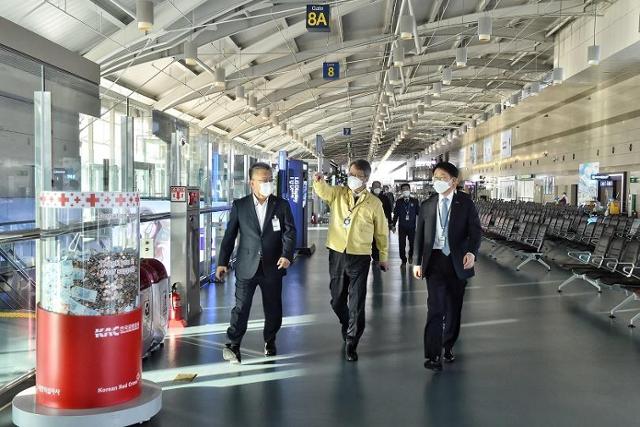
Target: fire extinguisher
<point>176,303</point>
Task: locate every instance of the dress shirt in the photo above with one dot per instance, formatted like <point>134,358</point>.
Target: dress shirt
<point>439,237</point>
<point>261,210</point>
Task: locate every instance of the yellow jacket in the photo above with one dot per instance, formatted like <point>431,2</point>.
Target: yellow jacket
<point>367,221</point>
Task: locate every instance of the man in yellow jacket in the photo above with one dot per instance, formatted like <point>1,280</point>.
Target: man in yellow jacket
<point>357,218</point>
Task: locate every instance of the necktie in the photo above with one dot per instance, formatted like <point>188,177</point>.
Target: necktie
<point>444,223</point>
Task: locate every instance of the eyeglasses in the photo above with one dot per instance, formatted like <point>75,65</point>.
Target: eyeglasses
<point>440,178</point>
<point>360,177</point>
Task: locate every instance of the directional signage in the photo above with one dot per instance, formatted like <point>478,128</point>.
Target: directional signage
<point>346,131</point>
<point>318,16</point>
<point>331,70</point>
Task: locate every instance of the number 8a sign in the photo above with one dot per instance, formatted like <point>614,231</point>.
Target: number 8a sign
<point>331,70</point>
<point>318,17</point>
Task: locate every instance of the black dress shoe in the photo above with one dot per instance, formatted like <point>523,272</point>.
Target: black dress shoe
<point>231,353</point>
<point>270,348</point>
<point>433,364</point>
<point>350,352</point>
<point>449,357</point>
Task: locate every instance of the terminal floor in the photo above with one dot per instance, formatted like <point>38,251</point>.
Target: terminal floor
<point>527,356</point>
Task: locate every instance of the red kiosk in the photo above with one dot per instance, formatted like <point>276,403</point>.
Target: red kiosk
<point>89,316</point>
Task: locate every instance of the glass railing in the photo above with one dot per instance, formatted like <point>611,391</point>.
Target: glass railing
<point>18,287</point>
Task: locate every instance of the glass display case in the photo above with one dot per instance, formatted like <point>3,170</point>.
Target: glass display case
<point>88,300</point>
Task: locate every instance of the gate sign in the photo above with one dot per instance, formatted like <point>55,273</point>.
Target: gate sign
<point>331,70</point>
<point>346,131</point>
<point>318,16</point>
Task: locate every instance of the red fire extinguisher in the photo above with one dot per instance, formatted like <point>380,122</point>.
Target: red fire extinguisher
<point>176,304</point>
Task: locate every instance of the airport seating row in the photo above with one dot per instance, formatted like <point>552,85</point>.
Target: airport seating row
<point>603,252</point>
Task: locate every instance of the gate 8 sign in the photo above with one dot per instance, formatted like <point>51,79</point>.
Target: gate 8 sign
<point>331,70</point>
<point>318,16</point>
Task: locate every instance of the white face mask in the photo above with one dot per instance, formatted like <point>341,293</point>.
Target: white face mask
<point>376,191</point>
<point>266,189</point>
<point>406,193</point>
<point>441,186</point>
<point>354,183</point>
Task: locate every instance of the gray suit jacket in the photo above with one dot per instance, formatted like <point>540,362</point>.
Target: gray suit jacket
<point>254,245</point>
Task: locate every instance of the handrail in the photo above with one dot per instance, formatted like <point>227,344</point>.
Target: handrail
<point>36,233</point>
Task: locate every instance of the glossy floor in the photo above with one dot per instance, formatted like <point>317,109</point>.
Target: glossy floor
<point>528,356</point>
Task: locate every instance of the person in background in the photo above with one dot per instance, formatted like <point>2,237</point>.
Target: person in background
<point>387,206</point>
<point>405,214</point>
<point>448,238</point>
<point>386,191</point>
<point>357,218</point>
<point>563,199</point>
<point>265,251</point>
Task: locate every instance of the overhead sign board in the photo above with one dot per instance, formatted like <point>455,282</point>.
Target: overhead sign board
<point>318,17</point>
<point>331,70</point>
<point>600,176</point>
<point>346,131</point>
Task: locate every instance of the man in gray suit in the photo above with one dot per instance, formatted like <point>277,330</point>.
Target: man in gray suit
<point>265,251</point>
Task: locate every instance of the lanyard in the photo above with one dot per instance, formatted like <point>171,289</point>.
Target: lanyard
<point>351,210</point>
<point>446,223</point>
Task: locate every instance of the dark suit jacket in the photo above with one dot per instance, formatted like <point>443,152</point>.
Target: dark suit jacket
<point>269,245</point>
<point>387,206</point>
<point>400,213</point>
<point>464,236</point>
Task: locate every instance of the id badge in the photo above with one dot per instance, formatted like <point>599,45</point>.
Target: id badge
<point>441,241</point>
<point>406,218</point>
<point>275,222</point>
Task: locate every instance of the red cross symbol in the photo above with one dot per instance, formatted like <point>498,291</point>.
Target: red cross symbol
<point>120,200</point>
<point>92,200</point>
<point>77,200</point>
<point>107,200</point>
<point>63,199</point>
<point>43,198</point>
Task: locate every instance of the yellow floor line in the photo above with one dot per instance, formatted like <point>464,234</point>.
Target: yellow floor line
<point>17,315</point>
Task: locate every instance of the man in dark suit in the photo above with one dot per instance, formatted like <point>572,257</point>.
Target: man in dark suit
<point>448,238</point>
<point>265,251</point>
<point>405,214</point>
<point>387,206</point>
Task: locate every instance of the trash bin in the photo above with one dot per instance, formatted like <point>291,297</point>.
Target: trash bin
<point>160,300</point>
<point>146,303</point>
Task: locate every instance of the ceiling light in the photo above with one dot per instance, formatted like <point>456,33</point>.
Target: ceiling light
<point>398,56</point>
<point>144,15</point>
<point>283,127</point>
<point>557,75</point>
<point>485,27</point>
<point>534,89</point>
<point>447,76</point>
<point>485,116</point>
<point>219,80</point>
<point>436,89</point>
<point>290,132</point>
<point>265,113</point>
<point>461,57</point>
<point>514,99</point>
<point>190,53</point>
<point>384,99</point>
<point>414,117</point>
<point>421,109</point>
<point>497,109</point>
<point>406,24</point>
<point>593,55</point>
<point>394,76</point>
<point>427,100</point>
<point>472,123</point>
<point>275,120</point>
<point>463,129</point>
<point>239,92</point>
<point>253,103</point>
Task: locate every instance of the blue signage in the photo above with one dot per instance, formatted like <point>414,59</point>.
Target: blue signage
<point>296,195</point>
<point>346,131</point>
<point>318,17</point>
<point>331,70</point>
